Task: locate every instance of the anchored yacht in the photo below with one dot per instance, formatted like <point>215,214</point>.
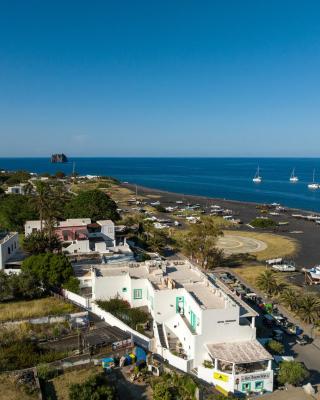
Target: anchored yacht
<point>313,185</point>
<point>293,177</point>
<point>257,178</point>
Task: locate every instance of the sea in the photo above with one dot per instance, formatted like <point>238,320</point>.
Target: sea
<point>225,178</point>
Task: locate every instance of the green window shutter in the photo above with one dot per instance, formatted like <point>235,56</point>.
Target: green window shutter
<point>137,294</point>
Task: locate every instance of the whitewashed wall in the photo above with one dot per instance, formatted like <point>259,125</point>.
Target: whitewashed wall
<point>138,338</point>
<point>75,298</point>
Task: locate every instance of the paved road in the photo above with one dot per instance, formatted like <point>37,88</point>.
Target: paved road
<point>308,354</point>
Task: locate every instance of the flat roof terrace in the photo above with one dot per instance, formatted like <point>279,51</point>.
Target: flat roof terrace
<point>206,296</point>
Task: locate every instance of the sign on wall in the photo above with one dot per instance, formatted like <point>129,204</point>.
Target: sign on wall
<point>220,377</point>
<point>255,377</point>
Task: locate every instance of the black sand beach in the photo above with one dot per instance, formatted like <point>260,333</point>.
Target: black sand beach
<point>306,233</point>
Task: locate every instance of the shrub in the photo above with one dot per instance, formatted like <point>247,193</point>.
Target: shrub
<point>24,354</point>
<point>121,309</point>
<point>208,364</point>
<point>52,270</point>
<point>46,371</point>
<point>275,347</point>
<point>263,223</point>
<point>96,387</point>
<point>292,372</point>
<point>92,204</point>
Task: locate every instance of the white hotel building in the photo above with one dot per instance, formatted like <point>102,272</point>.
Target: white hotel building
<point>199,326</point>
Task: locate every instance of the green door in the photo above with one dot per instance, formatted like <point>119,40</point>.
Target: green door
<point>193,320</point>
<point>180,305</point>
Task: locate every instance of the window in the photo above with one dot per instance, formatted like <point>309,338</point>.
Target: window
<point>137,294</point>
<point>124,289</point>
<point>246,387</point>
<point>258,385</point>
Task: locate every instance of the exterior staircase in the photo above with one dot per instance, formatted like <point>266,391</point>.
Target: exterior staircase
<point>161,336</point>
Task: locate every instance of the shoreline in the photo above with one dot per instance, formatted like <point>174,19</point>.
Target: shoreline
<point>306,233</point>
<point>146,189</point>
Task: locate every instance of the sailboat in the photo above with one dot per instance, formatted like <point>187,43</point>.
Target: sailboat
<point>313,185</point>
<point>257,178</point>
<point>293,178</point>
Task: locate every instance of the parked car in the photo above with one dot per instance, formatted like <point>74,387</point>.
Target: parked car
<point>277,335</point>
<point>268,320</point>
<point>302,340</point>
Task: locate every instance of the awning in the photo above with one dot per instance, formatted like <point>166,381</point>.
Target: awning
<point>239,352</point>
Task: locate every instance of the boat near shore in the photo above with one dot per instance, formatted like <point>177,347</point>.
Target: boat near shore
<point>312,275</point>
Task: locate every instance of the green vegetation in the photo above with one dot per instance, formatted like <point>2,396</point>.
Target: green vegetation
<point>46,371</point>
<point>269,284</point>
<point>51,270</point>
<point>15,386</point>
<point>19,286</point>
<point>94,388</point>
<point>292,372</point>
<point>306,306</point>
<point>41,242</point>
<point>147,236</point>
<point>208,364</point>
<point>16,310</point>
<point>263,223</point>
<point>173,387</point>
<point>121,309</point>
<point>309,308</point>
<point>14,178</point>
<point>26,330</point>
<point>92,204</point>
<point>275,347</point>
<point>160,209</point>
<point>15,210</point>
<point>24,354</point>
<point>199,243</point>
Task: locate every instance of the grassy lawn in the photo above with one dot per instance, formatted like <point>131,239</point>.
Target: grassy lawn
<point>249,273</point>
<point>26,309</point>
<point>61,383</point>
<point>11,391</point>
<point>277,245</point>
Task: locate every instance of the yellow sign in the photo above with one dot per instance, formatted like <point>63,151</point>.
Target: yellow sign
<point>221,377</point>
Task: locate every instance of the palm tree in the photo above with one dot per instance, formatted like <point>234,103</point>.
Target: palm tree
<point>309,308</point>
<point>290,299</point>
<point>28,188</point>
<point>267,282</point>
<point>42,196</point>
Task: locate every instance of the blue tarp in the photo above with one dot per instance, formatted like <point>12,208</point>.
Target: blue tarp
<point>107,360</point>
<point>140,354</point>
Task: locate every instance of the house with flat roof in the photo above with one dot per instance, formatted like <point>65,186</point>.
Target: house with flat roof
<point>16,189</point>
<point>80,235</point>
<point>199,326</point>
<point>9,248</point>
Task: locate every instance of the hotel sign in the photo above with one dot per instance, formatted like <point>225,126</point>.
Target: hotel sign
<point>255,377</point>
<point>220,377</point>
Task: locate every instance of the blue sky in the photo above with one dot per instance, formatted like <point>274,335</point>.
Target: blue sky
<point>160,78</point>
